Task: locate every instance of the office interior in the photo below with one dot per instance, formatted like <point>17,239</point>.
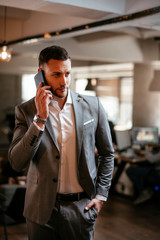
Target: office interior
<point>115,52</point>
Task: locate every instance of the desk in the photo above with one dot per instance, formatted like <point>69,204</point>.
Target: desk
<point>121,161</point>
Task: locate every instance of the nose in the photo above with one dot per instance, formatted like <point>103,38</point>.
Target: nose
<point>63,80</point>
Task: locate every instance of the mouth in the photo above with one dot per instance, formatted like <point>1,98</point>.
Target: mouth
<point>62,89</point>
<point>60,92</point>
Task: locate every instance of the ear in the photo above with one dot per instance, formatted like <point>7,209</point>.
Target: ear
<point>39,69</point>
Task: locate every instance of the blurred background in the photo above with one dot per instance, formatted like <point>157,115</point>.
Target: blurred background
<point>115,51</point>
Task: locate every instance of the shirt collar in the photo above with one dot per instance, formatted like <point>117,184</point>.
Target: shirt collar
<point>68,101</point>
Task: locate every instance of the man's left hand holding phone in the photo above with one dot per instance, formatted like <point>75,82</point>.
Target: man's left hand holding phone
<point>42,99</point>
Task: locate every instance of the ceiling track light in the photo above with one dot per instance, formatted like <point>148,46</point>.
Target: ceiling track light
<point>5,54</point>
<point>129,17</point>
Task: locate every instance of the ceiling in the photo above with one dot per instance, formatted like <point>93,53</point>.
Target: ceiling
<point>94,32</point>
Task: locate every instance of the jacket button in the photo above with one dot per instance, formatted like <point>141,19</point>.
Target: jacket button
<point>55,180</point>
<point>57,157</point>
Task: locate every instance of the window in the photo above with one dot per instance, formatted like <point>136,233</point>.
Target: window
<point>125,102</point>
<point>28,87</point>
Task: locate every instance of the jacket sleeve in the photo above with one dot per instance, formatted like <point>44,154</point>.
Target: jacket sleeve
<point>25,142</point>
<point>105,152</point>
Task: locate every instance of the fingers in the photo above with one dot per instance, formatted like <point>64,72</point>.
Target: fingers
<point>43,92</point>
<point>96,203</point>
<point>89,205</point>
<point>42,100</point>
<point>42,88</point>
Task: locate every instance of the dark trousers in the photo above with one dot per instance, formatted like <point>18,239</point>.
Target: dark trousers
<point>69,221</point>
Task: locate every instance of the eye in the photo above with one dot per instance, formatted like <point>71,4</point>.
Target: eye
<point>67,74</point>
<point>57,74</point>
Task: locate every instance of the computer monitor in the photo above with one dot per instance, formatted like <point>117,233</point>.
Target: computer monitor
<point>123,138</point>
<point>145,136</point>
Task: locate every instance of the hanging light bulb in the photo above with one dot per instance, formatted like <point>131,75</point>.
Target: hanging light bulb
<point>5,55</point>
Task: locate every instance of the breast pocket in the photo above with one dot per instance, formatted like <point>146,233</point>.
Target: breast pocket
<point>88,125</point>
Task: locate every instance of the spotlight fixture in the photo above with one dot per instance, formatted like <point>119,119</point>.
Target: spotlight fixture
<point>155,82</point>
<point>129,17</point>
<point>47,35</point>
<point>5,55</point>
<point>91,85</point>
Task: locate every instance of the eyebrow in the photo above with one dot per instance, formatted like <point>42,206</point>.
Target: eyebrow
<point>61,72</point>
<point>55,72</point>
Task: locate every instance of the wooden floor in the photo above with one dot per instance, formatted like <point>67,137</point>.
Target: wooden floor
<point>118,220</point>
<point>121,220</point>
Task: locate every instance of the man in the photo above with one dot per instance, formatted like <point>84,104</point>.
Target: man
<point>56,134</point>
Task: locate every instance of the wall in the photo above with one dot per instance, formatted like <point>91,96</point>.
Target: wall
<point>10,95</point>
<point>146,104</point>
<point>10,92</point>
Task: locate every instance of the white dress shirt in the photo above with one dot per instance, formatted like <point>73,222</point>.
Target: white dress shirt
<point>63,123</point>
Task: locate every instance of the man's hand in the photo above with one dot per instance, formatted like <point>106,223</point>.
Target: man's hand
<point>96,203</point>
<point>42,100</point>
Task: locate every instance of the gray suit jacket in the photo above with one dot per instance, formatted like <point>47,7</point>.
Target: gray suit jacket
<point>39,150</point>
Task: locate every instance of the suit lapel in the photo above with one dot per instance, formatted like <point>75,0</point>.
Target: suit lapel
<point>78,112</point>
<point>51,132</point>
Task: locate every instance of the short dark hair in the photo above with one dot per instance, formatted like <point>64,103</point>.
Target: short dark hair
<point>53,52</point>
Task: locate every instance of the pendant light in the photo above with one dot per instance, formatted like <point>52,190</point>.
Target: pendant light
<point>5,55</point>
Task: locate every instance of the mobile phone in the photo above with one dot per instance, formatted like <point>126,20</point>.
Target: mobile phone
<point>39,77</point>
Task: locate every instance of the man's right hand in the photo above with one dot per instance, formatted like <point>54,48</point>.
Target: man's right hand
<point>42,100</point>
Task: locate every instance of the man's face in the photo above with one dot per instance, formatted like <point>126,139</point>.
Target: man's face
<point>57,74</point>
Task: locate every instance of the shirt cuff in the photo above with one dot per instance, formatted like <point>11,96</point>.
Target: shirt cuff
<point>100,197</point>
<point>39,128</point>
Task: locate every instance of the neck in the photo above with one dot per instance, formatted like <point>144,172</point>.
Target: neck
<point>61,101</point>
